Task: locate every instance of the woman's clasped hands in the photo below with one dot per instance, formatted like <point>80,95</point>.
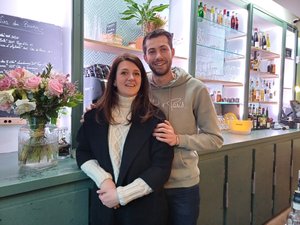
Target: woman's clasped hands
<point>108,194</point>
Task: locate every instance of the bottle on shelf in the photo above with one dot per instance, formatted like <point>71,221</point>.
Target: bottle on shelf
<point>228,19</point>
<point>264,42</point>
<point>212,14</point>
<point>236,22</point>
<point>225,17</point>
<point>294,215</point>
<point>200,10</point>
<point>255,36</point>
<point>205,11</point>
<point>232,21</point>
<point>268,42</point>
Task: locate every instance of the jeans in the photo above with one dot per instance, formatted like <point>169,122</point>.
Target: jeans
<point>183,205</point>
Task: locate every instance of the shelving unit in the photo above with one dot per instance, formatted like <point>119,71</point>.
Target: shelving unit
<point>221,57</point>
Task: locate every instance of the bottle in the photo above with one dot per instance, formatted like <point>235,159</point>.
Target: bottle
<point>294,215</point>
<point>255,36</point>
<point>212,14</point>
<point>225,17</point>
<point>264,42</point>
<point>299,180</point>
<point>236,22</point>
<point>268,42</point>
<point>200,10</point>
<point>232,21</point>
<point>205,11</point>
<point>228,19</point>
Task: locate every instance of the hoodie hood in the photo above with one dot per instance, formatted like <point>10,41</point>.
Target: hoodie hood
<point>181,77</point>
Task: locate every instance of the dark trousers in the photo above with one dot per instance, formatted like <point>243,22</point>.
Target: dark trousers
<point>183,205</point>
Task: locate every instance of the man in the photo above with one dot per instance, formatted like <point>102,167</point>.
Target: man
<point>191,125</point>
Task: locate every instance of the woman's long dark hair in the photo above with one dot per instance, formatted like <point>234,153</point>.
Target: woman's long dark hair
<point>141,108</point>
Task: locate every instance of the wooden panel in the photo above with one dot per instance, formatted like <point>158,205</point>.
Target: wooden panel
<point>65,205</point>
<point>263,179</point>
<point>296,164</point>
<point>282,175</point>
<point>239,189</point>
<point>211,189</point>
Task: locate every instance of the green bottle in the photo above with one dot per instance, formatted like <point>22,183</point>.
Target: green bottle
<point>200,10</point>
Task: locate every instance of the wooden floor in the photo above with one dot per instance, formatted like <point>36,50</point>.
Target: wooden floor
<point>280,219</point>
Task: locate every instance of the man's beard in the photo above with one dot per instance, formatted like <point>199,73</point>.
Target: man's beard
<point>160,73</point>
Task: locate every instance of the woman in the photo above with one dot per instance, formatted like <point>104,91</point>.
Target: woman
<point>117,150</point>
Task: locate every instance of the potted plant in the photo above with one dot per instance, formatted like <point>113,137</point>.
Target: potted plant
<point>145,15</point>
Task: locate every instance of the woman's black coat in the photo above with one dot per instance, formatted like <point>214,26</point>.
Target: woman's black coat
<point>143,156</point>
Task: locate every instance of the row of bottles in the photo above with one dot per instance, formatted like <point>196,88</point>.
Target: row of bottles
<point>262,90</point>
<point>260,117</point>
<point>218,16</point>
<point>261,40</point>
<point>255,63</point>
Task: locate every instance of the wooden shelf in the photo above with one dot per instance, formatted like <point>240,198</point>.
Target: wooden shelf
<point>264,54</point>
<point>264,102</point>
<point>117,49</point>
<point>223,82</point>
<point>264,74</point>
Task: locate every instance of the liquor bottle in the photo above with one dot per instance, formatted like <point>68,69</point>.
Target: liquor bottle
<point>268,122</point>
<point>224,17</point>
<point>236,22</point>
<point>228,19</point>
<point>232,21</point>
<point>294,215</point>
<point>268,42</point>
<point>205,11</point>
<point>264,42</point>
<point>255,36</point>
<point>212,14</point>
<point>200,10</point>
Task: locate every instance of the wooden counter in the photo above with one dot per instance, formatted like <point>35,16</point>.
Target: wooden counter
<point>248,181</point>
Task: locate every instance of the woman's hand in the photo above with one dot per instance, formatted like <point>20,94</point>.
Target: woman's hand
<point>108,194</point>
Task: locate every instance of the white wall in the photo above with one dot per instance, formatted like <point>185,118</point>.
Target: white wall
<point>57,12</point>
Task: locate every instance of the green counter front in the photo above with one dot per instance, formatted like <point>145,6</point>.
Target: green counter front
<point>57,195</point>
<point>248,181</point>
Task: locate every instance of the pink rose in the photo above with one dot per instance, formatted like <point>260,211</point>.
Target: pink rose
<point>6,83</point>
<point>55,87</point>
<point>32,83</point>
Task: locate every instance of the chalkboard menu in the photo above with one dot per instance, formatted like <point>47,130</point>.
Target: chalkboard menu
<point>29,44</point>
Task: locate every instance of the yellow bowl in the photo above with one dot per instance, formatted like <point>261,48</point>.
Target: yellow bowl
<point>240,126</point>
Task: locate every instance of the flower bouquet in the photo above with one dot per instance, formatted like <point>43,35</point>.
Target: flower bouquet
<point>38,99</point>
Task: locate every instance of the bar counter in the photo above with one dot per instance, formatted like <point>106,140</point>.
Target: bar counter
<point>248,181</point>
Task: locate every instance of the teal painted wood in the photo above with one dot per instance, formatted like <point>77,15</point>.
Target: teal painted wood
<point>212,190</point>
<point>262,196</point>
<point>282,175</point>
<point>63,209</point>
<point>295,164</point>
<point>239,186</point>
<point>57,195</point>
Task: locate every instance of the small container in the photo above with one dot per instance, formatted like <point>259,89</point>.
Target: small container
<point>298,126</point>
<point>240,126</point>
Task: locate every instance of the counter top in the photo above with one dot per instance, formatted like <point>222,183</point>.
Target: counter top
<point>14,180</point>
<point>259,136</point>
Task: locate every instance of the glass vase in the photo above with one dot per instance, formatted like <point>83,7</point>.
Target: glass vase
<point>38,144</point>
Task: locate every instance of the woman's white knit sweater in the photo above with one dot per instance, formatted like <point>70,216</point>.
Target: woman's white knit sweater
<point>116,139</point>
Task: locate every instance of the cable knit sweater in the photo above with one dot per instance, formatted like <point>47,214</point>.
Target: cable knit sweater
<point>117,136</point>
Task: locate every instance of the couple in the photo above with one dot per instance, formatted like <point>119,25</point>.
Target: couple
<point>144,162</point>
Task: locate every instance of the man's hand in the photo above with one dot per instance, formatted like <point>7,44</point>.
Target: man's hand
<point>165,132</point>
<point>108,194</point>
<point>86,110</point>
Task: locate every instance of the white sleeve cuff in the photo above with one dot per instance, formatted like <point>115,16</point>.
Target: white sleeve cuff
<point>95,172</point>
<point>134,190</point>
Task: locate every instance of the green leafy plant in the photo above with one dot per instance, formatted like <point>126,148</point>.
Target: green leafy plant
<point>144,14</point>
